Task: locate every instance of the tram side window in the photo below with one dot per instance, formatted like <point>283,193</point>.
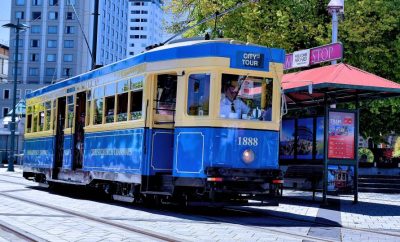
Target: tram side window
<point>54,114</point>
<point>245,97</point>
<point>98,95</point>
<point>110,102</point>
<point>122,100</point>
<point>29,119</point>
<point>166,94</point>
<point>35,118</point>
<point>198,94</point>
<point>88,107</point>
<point>47,115</point>
<point>70,111</point>
<point>136,104</point>
<point>41,117</point>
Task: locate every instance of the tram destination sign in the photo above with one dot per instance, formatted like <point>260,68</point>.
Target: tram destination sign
<point>248,59</point>
<point>320,54</point>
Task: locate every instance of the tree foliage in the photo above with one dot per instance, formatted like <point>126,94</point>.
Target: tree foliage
<point>370,33</point>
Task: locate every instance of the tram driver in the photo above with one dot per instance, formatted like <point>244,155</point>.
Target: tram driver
<point>230,105</point>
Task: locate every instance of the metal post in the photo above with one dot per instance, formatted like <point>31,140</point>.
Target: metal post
<point>95,27</point>
<point>356,148</point>
<point>12,125</point>
<point>326,133</point>
<point>335,24</point>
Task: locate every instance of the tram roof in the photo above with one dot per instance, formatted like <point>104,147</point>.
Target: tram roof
<point>181,50</point>
<point>341,82</point>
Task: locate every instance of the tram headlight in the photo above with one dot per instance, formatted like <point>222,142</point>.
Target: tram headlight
<point>248,156</point>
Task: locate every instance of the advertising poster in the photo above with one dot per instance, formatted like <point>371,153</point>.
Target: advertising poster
<point>319,138</point>
<point>341,139</point>
<point>305,134</point>
<point>286,147</point>
<point>340,178</point>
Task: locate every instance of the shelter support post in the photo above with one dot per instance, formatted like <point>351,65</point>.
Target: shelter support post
<point>357,131</point>
<point>325,173</point>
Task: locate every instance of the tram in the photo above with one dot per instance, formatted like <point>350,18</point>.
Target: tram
<point>192,121</point>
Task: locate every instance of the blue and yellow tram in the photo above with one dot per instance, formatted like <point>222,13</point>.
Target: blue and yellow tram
<point>194,120</point>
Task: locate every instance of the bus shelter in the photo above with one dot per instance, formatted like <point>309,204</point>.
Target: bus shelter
<point>334,142</point>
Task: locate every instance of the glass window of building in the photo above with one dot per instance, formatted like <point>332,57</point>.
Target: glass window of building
<point>53,2</point>
<point>69,15</point>
<point>5,111</point>
<point>198,94</point>
<point>20,2</point>
<point>51,43</point>
<point>51,57</point>
<point>18,93</point>
<point>70,2</point>
<point>67,72</point>
<point>36,2</point>
<point>68,58</point>
<point>50,71</point>
<point>68,44</point>
<point>34,43</point>
<point>35,29</point>
<point>70,29</point>
<point>6,94</point>
<point>19,57</point>
<point>34,57</point>
<point>53,15</point>
<point>19,15</point>
<point>52,29</point>
<point>36,15</point>
<point>33,71</point>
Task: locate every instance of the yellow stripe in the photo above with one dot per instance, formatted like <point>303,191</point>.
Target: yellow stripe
<point>115,126</point>
<point>38,134</point>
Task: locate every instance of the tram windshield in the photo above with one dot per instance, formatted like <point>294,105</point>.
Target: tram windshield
<point>246,97</point>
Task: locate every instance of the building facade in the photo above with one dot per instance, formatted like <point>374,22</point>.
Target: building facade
<point>145,25</point>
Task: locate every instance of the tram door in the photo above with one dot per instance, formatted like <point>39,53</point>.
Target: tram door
<point>80,115</point>
<point>162,137</point>
<point>59,145</point>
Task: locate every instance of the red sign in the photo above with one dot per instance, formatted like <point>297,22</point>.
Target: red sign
<point>317,55</point>
<point>341,139</point>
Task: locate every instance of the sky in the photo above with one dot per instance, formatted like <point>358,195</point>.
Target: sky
<point>5,12</point>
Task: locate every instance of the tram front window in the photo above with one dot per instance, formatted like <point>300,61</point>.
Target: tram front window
<point>246,97</point>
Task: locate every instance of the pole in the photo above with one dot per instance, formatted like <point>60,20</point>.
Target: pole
<point>95,27</point>
<point>12,125</point>
<point>356,149</point>
<point>326,133</point>
<point>335,23</point>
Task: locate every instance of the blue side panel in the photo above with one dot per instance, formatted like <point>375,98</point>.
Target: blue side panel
<point>39,152</point>
<point>199,148</point>
<point>114,151</point>
<point>68,152</point>
<point>162,146</point>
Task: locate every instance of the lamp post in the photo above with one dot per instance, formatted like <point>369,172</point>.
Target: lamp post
<point>334,8</point>
<point>17,27</point>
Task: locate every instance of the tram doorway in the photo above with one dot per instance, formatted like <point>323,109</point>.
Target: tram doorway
<point>80,116</point>
<point>162,133</point>
<point>59,144</point>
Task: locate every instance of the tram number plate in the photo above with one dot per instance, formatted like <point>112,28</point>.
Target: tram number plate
<point>250,141</point>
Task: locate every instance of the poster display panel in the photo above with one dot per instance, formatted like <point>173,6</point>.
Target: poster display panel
<point>341,138</point>
<point>319,138</point>
<point>305,138</point>
<point>340,178</point>
<point>287,139</point>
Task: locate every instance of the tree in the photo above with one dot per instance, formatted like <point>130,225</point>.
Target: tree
<point>370,33</point>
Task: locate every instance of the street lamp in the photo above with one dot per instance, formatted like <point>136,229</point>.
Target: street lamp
<point>18,27</point>
<point>335,7</point>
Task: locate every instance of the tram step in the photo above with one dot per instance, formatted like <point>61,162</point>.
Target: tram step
<point>379,180</point>
<point>157,193</point>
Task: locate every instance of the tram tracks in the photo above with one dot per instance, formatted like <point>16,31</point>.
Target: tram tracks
<point>11,233</point>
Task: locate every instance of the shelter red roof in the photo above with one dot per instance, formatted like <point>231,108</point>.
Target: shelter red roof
<point>340,82</point>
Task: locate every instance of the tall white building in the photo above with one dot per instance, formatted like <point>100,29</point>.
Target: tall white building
<point>145,24</point>
<point>56,45</point>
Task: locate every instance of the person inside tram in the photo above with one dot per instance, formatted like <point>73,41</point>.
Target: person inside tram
<point>230,105</point>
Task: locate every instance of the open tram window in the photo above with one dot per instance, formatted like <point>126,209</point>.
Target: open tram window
<point>47,115</point>
<point>136,104</point>
<point>41,116</point>
<point>246,97</point>
<point>110,102</point>
<point>198,94</point>
<point>88,107</point>
<point>166,94</point>
<point>70,111</point>
<point>29,119</point>
<point>35,118</point>
<point>122,100</point>
<point>98,95</point>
